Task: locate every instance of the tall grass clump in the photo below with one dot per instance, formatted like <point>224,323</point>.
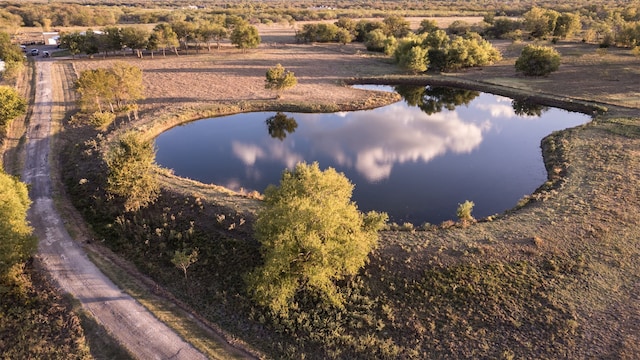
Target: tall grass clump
<point>464,211</point>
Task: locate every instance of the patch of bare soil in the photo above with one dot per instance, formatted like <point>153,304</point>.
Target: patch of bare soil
<point>230,75</point>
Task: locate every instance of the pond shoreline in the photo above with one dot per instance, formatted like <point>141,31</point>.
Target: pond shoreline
<point>554,277</point>
<point>445,141</point>
<point>250,202</point>
<point>566,103</point>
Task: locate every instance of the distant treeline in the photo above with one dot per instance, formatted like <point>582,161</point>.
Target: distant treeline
<point>100,13</point>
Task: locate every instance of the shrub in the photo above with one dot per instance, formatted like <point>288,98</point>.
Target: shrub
<point>459,27</point>
<point>396,26</point>
<point>464,210</point>
<point>415,60</point>
<point>407,226</point>
<point>101,120</point>
<point>319,33</point>
<point>375,40</point>
<point>538,60</point>
<point>245,37</point>
<point>280,79</point>
<point>427,26</point>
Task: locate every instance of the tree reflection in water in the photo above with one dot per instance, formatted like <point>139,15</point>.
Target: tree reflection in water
<point>433,100</point>
<point>280,125</point>
<point>527,108</point>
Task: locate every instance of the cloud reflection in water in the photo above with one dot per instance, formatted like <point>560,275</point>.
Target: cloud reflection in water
<point>373,142</point>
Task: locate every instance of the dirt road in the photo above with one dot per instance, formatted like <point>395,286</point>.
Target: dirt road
<point>129,322</point>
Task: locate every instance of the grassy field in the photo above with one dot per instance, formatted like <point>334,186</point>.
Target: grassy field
<point>557,276</point>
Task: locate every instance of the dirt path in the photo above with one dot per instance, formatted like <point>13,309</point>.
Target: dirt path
<point>128,321</point>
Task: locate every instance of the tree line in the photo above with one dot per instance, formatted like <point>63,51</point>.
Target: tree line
<point>610,28</point>
<point>427,48</point>
<point>163,37</point>
<point>102,94</point>
<point>111,13</point>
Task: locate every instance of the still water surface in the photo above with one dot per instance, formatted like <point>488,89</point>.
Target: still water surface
<point>416,159</point>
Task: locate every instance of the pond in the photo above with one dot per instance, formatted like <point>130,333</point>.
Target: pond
<point>416,159</point>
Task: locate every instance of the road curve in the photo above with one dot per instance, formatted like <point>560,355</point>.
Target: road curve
<point>128,321</point>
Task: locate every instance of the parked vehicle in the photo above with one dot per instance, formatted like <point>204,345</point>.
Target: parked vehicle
<point>34,52</point>
<point>46,54</point>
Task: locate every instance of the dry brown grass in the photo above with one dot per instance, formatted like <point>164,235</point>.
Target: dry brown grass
<point>229,75</point>
<point>585,232</point>
<point>611,78</point>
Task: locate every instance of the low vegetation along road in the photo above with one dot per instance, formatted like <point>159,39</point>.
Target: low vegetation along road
<point>129,322</point>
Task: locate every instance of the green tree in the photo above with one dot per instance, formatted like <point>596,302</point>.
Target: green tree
<point>209,31</point>
<point>95,90</point>
<point>101,120</point>
<point>16,242</point>
<point>185,31</point>
<point>405,45</point>
<point>469,52</point>
<point>437,39</point>
<point>347,24</point>
<point>540,22</point>
<point>9,22</point>
<point>166,37</point>
<point>245,37</point>
<point>135,38</point>
<point>427,26</point>
<point>131,174</point>
<point>502,27</point>
<point>343,36</point>
<point>12,105</point>
<point>396,26</point>
<point>312,234</point>
<point>375,40</point>
<point>459,27</point>
<point>12,56</point>
<point>363,27</point>
<point>279,79</point>
<point>112,39</point>
<point>91,43</point>
<point>538,60</point>
<point>74,42</point>
<point>128,88</point>
<point>183,261</point>
<point>567,25</point>
<point>320,33</point>
<point>119,87</point>
<point>415,60</point>
<point>153,43</point>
